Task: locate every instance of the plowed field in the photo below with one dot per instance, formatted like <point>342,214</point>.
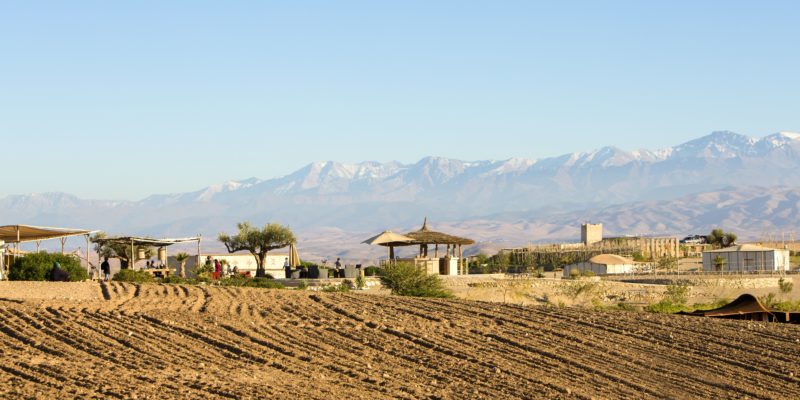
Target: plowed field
<point>163,341</point>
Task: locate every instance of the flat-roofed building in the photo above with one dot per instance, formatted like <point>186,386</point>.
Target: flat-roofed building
<point>746,258</point>
<point>603,264</point>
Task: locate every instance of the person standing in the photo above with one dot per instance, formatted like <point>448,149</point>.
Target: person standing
<point>106,268</point>
<point>338,265</point>
<point>287,268</point>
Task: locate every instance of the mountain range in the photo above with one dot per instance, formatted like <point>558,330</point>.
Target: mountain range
<point>722,179</point>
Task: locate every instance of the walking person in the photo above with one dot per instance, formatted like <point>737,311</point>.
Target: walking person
<point>287,268</point>
<point>339,271</point>
<point>106,268</point>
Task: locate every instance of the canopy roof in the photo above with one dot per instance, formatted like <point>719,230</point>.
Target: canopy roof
<point>742,247</point>
<point>610,259</point>
<point>427,236</point>
<point>144,241</point>
<point>29,233</point>
<point>389,238</point>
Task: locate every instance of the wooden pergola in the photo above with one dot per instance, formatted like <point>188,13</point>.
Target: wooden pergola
<point>18,234</point>
<point>136,242</point>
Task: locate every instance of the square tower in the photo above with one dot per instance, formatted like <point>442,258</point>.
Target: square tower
<point>591,234</point>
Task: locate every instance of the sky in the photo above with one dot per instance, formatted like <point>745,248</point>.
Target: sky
<point>120,100</point>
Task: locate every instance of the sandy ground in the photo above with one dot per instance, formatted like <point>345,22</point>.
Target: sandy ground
<point>130,341</point>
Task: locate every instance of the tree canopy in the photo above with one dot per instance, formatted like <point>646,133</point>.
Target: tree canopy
<point>122,251</point>
<point>718,238</point>
<point>258,241</point>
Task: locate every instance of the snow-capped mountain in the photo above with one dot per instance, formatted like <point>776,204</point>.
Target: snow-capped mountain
<point>370,195</point>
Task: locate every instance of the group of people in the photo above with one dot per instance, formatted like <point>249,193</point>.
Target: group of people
<point>338,270</point>
<point>153,265</point>
<point>218,269</point>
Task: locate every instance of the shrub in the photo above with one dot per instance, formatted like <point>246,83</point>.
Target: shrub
<point>578,288</point>
<point>303,285</point>
<point>574,273</point>
<point>785,286</point>
<point>540,272</point>
<point>677,294</point>
<point>361,282</point>
<point>372,271</point>
<point>406,279</point>
<point>130,275</point>
<point>175,280</point>
<point>666,307</point>
<point>243,281</point>
<point>341,288</point>
<point>265,283</point>
<point>37,267</point>
<point>588,273</point>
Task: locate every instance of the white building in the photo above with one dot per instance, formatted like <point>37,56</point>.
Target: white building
<point>603,264</point>
<point>244,261</point>
<point>746,258</point>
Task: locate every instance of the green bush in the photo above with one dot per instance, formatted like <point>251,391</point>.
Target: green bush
<point>340,288</point>
<point>574,273</point>
<point>677,294</point>
<point>243,281</point>
<point>785,286</point>
<point>666,307</point>
<point>372,271</point>
<point>588,273</point>
<point>405,279</point>
<point>37,267</point>
<point>176,280</point>
<point>303,285</point>
<point>130,275</point>
<point>361,282</point>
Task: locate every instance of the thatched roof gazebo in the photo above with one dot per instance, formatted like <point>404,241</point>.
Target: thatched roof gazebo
<point>425,237</point>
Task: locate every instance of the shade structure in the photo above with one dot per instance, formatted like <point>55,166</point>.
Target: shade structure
<point>426,236</point>
<point>29,233</point>
<point>389,238</point>
<point>294,258</point>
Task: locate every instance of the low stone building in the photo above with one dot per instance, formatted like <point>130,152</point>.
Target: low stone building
<point>746,258</point>
<point>603,264</point>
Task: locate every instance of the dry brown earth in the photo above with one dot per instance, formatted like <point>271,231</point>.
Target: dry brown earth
<point>162,341</point>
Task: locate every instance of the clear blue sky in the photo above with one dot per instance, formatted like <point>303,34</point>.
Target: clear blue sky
<point>96,97</point>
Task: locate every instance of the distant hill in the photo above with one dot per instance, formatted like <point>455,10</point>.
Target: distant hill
<point>744,184</point>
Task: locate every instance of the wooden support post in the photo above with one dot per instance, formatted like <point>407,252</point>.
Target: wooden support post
<point>460,260</point>
<point>436,251</point>
<point>87,256</point>
<point>63,242</point>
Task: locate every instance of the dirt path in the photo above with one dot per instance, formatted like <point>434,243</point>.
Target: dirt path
<point>169,341</point>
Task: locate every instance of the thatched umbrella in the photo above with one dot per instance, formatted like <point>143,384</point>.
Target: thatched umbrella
<point>390,240</point>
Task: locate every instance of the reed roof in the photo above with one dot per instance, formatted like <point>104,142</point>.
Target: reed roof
<point>427,236</point>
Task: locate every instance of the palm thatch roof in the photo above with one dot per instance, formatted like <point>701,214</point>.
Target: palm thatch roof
<point>427,236</point>
<point>389,238</point>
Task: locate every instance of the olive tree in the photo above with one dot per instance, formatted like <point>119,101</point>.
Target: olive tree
<point>719,238</point>
<point>122,251</point>
<point>258,241</point>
